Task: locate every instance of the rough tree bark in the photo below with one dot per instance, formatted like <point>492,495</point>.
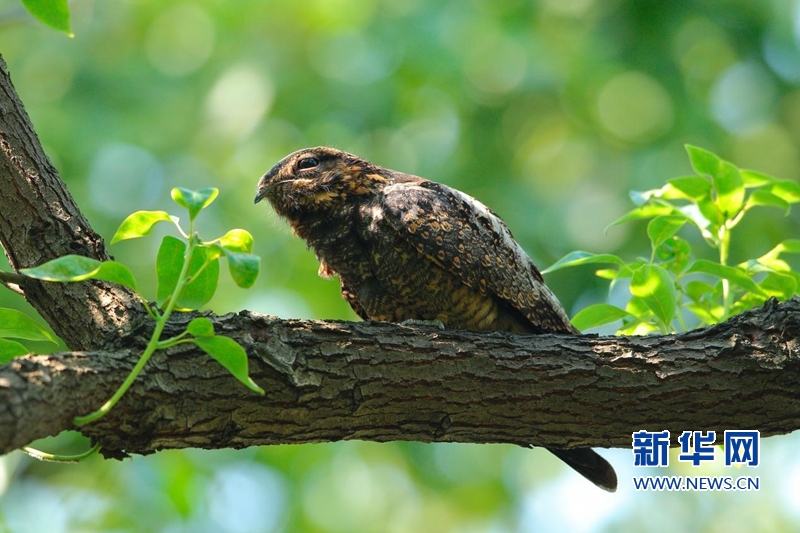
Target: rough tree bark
<point>338,380</point>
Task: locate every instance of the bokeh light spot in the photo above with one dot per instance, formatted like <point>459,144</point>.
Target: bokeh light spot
<point>743,97</point>
<point>180,39</point>
<point>246,497</point>
<point>238,101</point>
<point>570,8</point>
<point>351,58</point>
<point>123,179</point>
<point>768,148</point>
<point>592,203</point>
<point>634,107</point>
<point>495,63</point>
<point>49,64</point>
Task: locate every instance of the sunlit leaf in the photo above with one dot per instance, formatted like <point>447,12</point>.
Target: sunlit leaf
<point>194,201</point>
<point>583,258</point>
<point>663,227</point>
<point>705,314</point>
<point>765,198</point>
<point>730,190</point>
<point>711,213</point>
<point>771,258</point>
<point>608,273</point>
<point>655,287</point>
<point>54,13</point>
<point>598,315</point>
<point>18,325</point>
<point>139,224</point>
<point>735,275</point>
<point>752,178</point>
<point>779,285</point>
<point>201,327</point>
<point>237,240</point>
<point>231,355</point>
<point>78,268</point>
<point>703,161</point>
<point>691,187</point>
<point>11,349</point>
<point>643,212</point>
<point>787,190</point>
<point>698,290</point>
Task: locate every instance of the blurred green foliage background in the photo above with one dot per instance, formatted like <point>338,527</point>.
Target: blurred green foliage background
<point>548,111</point>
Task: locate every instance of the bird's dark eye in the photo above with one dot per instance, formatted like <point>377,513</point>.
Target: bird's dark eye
<point>307,162</point>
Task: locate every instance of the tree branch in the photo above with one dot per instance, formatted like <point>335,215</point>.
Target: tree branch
<point>338,380</point>
<point>40,221</point>
<point>328,381</point>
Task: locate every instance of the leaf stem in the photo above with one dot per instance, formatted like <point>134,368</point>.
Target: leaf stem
<point>55,458</point>
<point>724,247</point>
<point>153,344</point>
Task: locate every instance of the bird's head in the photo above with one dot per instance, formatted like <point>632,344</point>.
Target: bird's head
<point>318,179</point>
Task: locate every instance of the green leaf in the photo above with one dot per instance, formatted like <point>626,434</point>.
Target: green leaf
<point>169,262</point>
<point>771,258</point>
<point>691,187</point>
<point>663,227</point>
<point>54,13</point>
<point>237,240</point>
<point>243,268</point>
<point>730,190</point>
<point>78,268</point>
<point>752,178</point>
<point>642,316</point>
<point>711,213</point>
<point>703,161</point>
<point>643,212</point>
<point>675,254</point>
<point>231,355</point>
<point>698,290</point>
<point>139,224</point>
<point>18,325</point>
<point>584,258</point>
<point>610,274</point>
<point>194,201</point>
<point>705,314</point>
<point>787,190</point>
<point>781,286</point>
<point>656,289</point>
<point>735,275</point>
<point>766,198</point>
<point>598,315</point>
<point>11,349</point>
<point>201,327</point>
<point>204,278</point>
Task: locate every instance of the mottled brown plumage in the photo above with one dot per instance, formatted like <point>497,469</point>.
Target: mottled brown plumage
<point>406,248</point>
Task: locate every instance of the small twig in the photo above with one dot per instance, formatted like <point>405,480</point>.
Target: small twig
<point>13,282</point>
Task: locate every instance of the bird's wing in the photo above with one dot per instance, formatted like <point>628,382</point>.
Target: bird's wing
<point>467,239</point>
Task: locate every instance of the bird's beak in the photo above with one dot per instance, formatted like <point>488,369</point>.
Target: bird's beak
<point>262,192</point>
<point>263,188</point>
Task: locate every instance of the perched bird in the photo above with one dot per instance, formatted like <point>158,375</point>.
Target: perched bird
<point>406,248</point>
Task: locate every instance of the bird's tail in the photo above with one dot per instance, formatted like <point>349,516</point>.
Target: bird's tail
<point>590,465</point>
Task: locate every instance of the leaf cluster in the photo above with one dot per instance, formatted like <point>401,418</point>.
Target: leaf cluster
<point>673,289</point>
<point>187,270</point>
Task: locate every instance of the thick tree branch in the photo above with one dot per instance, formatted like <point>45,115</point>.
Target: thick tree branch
<point>340,380</point>
<point>335,380</point>
<point>39,221</point>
